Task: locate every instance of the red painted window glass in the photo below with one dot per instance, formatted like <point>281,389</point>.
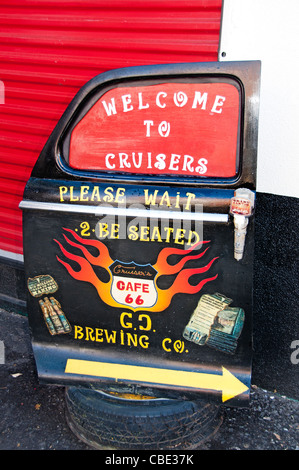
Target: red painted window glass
<point>188,129</point>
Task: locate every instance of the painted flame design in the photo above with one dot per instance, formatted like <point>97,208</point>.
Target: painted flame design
<point>181,283</point>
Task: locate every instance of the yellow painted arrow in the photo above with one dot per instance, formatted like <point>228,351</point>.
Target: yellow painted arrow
<point>227,383</point>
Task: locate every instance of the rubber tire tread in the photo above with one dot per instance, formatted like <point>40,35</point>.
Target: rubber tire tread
<point>105,422</point>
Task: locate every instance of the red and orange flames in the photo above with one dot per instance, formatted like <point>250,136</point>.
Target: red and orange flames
<point>181,283</point>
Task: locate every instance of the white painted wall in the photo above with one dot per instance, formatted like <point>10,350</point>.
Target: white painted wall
<point>267,30</point>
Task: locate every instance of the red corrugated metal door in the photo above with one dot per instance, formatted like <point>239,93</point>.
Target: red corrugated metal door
<point>49,49</point>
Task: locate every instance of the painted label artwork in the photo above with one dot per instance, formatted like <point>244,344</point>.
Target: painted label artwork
<point>54,317</point>
<point>215,324</point>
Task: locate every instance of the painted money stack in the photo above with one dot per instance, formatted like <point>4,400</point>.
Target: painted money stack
<point>215,324</point>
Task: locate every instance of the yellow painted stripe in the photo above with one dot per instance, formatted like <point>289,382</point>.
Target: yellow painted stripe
<point>144,374</point>
<point>225,382</point>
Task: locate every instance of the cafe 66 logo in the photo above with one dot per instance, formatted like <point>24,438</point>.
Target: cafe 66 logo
<point>133,284</point>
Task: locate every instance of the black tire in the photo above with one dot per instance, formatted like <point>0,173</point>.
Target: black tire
<point>104,421</point>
